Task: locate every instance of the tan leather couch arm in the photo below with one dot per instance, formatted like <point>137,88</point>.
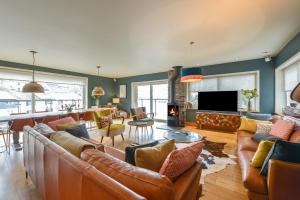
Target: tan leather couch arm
<point>115,152</point>
<point>187,186</point>
<point>283,180</point>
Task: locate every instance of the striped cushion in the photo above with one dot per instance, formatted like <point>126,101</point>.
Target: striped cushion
<point>282,129</point>
<point>180,160</point>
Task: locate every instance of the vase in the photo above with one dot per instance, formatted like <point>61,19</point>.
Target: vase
<point>249,105</point>
<point>97,102</point>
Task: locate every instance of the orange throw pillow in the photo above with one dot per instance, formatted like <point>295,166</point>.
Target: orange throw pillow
<point>282,129</point>
<point>180,160</point>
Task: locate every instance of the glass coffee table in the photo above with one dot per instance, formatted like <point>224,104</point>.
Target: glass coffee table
<point>182,136</point>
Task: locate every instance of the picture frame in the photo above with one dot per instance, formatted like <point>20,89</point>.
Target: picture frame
<point>122,91</point>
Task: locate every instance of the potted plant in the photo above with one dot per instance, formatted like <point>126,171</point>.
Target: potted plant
<point>249,95</point>
<point>69,107</point>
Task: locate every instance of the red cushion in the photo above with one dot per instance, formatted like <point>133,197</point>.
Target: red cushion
<point>282,129</point>
<point>180,160</point>
<point>53,124</point>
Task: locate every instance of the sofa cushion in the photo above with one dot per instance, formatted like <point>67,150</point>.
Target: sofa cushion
<point>180,160</point>
<point>44,129</point>
<point>153,157</point>
<point>259,116</point>
<point>147,183</point>
<point>293,119</point>
<point>246,143</point>
<point>282,129</point>
<point>261,153</point>
<point>252,179</point>
<point>71,143</point>
<point>63,127</point>
<point>248,125</point>
<point>295,136</point>
<point>130,151</point>
<point>64,120</point>
<point>282,150</point>
<point>257,137</point>
<point>264,128</point>
<point>79,131</point>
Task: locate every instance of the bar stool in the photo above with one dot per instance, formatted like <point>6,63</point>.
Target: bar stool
<point>4,131</point>
<point>88,116</point>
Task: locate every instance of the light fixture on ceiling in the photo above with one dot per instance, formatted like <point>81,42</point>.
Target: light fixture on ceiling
<point>191,74</point>
<point>98,90</point>
<point>33,86</point>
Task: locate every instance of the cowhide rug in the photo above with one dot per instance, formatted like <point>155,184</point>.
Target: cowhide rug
<point>213,158</point>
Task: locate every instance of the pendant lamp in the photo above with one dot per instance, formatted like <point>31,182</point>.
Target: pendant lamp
<point>33,86</point>
<point>98,90</point>
<point>191,74</point>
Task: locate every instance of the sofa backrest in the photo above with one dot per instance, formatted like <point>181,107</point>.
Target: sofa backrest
<point>59,175</point>
<point>145,182</point>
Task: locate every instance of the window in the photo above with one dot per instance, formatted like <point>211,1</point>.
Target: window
<point>291,77</point>
<point>227,82</point>
<point>153,96</point>
<point>59,90</point>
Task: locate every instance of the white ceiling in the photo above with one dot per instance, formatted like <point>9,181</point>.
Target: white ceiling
<point>132,37</point>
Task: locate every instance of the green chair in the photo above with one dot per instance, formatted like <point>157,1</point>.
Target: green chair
<point>106,127</point>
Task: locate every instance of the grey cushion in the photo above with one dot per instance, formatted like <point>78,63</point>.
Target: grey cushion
<point>259,116</point>
<point>43,129</point>
<point>264,136</point>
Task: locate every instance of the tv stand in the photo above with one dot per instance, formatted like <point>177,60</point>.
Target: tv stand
<point>218,120</point>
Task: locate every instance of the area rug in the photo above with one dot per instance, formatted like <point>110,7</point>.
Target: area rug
<point>213,158</point>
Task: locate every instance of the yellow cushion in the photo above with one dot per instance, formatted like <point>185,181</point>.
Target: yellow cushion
<point>250,124</point>
<point>114,127</point>
<point>153,157</point>
<point>62,127</point>
<point>247,125</point>
<point>261,153</point>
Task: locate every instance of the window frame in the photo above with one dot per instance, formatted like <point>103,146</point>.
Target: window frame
<point>217,76</point>
<point>33,102</point>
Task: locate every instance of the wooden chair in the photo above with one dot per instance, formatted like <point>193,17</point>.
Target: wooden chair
<point>88,116</point>
<point>16,126</point>
<point>106,127</point>
<point>4,131</point>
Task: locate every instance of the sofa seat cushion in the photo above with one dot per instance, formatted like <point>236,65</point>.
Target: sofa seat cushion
<point>247,143</point>
<point>252,179</point>
<point>147,183</point>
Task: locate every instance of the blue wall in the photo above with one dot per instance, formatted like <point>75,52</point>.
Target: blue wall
<point>292,47</point>
<point>106,83</point>
<point>125,104</point>
<point>266,81</point>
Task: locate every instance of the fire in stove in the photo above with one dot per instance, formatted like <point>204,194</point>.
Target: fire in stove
<point>173,110</point>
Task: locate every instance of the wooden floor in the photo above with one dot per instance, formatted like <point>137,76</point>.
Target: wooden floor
<point>223,185</point>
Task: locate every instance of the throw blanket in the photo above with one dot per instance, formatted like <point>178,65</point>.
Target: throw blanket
<point>71,143</point>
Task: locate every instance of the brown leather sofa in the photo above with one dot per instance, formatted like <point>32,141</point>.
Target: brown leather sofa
<point>59,175</point>
<point>283,180</point>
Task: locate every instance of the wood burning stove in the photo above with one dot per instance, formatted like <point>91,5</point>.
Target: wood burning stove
<point>173,115</point>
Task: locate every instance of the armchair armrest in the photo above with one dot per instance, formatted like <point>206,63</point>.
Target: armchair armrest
<point>188,186</point>
<point>283,180</point>
<point>97,144</point>
<point>151,115</point>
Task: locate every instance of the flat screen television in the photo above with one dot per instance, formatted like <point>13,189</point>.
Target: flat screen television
<point>218,101</point>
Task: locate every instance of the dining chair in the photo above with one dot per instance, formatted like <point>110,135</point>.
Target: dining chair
<point>106,127</point>
<point>4,131</point>
<point>88,117</point>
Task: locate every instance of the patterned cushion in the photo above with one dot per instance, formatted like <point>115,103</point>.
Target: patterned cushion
<point>43,129</point>
<point>178,161</point>
<point>263,128</point>
<point>293,119</point>
<point>105,121</point>
<point>282,129</point>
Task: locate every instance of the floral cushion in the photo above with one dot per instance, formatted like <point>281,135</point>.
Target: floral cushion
<point>105,121</point>
<point>282,129</point>
<point>263,128</point>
